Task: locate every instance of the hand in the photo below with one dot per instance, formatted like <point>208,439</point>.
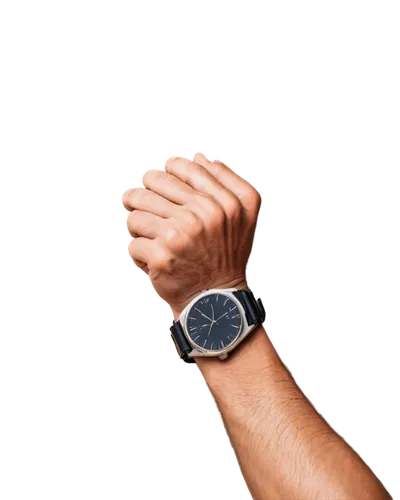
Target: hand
<point>193,227</point>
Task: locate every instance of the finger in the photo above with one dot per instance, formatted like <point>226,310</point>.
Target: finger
<point>246,193</point>
<point>154,255</point>
<point>146,200</point>
<point>198,177</point>
<point>140,249</point>
<point>168,186</point>
<point>145,224</point>
<point>140,266</point>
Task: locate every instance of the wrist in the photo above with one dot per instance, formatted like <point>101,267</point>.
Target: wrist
<point>253,365</point>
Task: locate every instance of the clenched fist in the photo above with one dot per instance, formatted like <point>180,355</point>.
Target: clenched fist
<point>193,227</point>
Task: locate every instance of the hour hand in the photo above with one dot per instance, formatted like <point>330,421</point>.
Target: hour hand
<point>221,317</point>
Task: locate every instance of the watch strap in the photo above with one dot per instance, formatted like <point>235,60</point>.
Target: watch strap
<point>254,309</point>
<point>182,345</point>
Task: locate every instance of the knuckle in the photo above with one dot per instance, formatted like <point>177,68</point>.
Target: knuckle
<point>254,198</point>
<point>198,167</point>
<point>152,176</point>
<point>127,198</point>
<point>207,202</point>
<point>257,197</point>
<point>131,219</point>
<point>216,216</point>
<point>170,162</point>
<point>173,159</point>
<point>124,199</point>
<point>193,224</point>
<point>172,236</point>
<point>142,195</point>
<point>163,262</point>
<point>233,208</point>
<point>131,248</point>
<point>252,201</point>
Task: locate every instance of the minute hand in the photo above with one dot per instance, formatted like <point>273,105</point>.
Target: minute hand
<point>203,314</point>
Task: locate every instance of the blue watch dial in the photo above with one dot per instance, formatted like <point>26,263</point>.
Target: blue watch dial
<point>214,322</point>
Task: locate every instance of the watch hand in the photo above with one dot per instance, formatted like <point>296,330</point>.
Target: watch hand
<point>213,314</point>
<point>212,321</point>
<point>203,314</point>
<point>221,317</point>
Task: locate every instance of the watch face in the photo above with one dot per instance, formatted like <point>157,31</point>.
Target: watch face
<point>214,322</point>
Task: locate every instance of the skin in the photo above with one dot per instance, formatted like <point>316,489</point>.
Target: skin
<point>193,227</point>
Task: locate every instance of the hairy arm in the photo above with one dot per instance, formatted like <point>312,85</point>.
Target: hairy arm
<point>285,449</point>
<point>193,227</point>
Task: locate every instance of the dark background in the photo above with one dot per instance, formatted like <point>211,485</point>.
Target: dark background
<point>321,270</point>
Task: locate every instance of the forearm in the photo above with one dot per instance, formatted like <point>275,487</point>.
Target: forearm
<point>284,447</point>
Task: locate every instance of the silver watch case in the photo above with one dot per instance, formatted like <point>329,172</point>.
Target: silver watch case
<point>243,332</point>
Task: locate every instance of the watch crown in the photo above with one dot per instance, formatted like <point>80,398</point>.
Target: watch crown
<point>223,356</point>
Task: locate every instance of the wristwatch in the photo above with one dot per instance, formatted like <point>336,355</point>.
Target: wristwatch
<point>216,322</point>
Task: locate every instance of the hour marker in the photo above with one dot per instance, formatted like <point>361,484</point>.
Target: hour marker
<point>205,342</point>
<point>226,300</point>
<point>212,343</point>
<point>223,345</point>
<point>192,318</point>
<point>196,337</point>
<point>236,316</point>
<point>193,328</point>
<point>235,326</point>
<point>232,308</point>
<point>216,300</point>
